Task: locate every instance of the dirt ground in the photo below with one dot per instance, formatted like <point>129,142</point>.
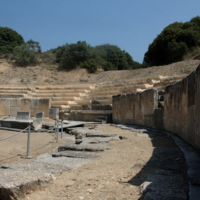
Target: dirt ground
<point>49,74</point>
<point>115,175</point>
<point>14,148</point>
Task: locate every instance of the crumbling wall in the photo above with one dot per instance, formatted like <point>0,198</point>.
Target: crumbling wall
<point>10,106</point>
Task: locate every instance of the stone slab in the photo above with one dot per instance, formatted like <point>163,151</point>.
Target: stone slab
<point>23,115</point>
<point>99,134</point>
<point>84,147</point>
<point>15,184</point>
<point>77,154</point>
<point>66,162</point>
<point>54,113</point>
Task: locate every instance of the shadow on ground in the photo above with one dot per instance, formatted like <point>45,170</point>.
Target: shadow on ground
<point>163,177</point>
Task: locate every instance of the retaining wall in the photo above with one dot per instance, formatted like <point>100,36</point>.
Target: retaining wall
<point>10,106</point>
<point>180,115</point>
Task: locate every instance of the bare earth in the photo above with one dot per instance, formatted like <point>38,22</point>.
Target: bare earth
<point>14,148</point>
<point>48,74</point>
<point>115,175</point>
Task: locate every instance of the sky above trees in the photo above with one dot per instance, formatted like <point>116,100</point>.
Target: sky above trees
<point>130,24</point>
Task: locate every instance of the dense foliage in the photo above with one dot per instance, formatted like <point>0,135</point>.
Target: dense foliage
<point>9,39</point>
<point>81,54</point>
<point>175,41</point>
<point>26,54</point>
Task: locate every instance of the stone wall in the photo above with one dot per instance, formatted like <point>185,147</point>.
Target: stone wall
<point>10,106</point>
<point>180,114</point>
<point>136,108</point>
<point>182,108</point>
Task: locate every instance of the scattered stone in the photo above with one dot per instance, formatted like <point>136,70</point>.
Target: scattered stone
<point>77,141</point>
<point>143,187</point>
<point>122,138</point>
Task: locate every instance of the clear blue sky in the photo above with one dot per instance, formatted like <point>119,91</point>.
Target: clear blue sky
<point>130,24</point>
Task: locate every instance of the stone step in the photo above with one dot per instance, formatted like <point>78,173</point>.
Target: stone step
<point>65,87</point>
<point>63,98</point>
<point>96,112</point>
<point>124,88</point>
<point>176,77</point>
<point>14,95</point>
<point>102,101</point>
<point>15,91</point>
<point>157,78</point>
<point>57,95</point>
<point>61,107</point>
<point>62,91</point>
<point>166,82</point>
<point>104,93</point>
<point>15,88</point>
<point>91,107</point>
<point>62,102</point>
<point>97,97</point>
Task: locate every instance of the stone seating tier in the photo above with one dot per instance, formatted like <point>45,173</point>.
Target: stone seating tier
<point>88,97</point>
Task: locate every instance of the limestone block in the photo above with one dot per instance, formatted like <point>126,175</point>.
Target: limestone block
<point>149,101</point>
<point>25,105</point>
<point>130,108</point>
<point>4,107</point>
<point>116,102</point>
<point>15,102</point>
<point>23,115</point>
<point>40,115</point>
<point>123,108</point>
<point>14,110</point>
<point>54,113</point>
<point>139,116</point>
<point>44,105</point>
<point>158,118</point>
<point>34,104</point>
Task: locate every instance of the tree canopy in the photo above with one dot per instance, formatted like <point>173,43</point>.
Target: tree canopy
<point>175,41</point>
<point>110,57</point>
<point>9,39</point>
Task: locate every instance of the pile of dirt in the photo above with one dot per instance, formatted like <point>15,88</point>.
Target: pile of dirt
<point>49,74</point>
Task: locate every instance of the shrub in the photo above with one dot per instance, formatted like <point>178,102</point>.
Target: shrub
<point>24,56</point>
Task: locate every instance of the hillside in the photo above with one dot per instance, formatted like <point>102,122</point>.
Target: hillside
<point>49,74</point>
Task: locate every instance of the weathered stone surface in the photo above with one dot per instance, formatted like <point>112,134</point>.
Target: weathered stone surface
<point>130,108</point>
<point>14,111</point>
<point>99,134</point>
<point>25,105</point>
<point>77,154</point>
<point>15,184</point>
<point>54,113</point>
<point>85,147</point>
<point>163,186</point>
<point>78,141</point>
<point>116,102</point>
<point>23,115</point>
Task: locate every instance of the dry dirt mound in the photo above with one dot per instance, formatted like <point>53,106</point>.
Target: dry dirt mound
<point>48,74</point>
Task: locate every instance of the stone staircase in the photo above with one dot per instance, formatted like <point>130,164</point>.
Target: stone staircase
<point>87,101</point>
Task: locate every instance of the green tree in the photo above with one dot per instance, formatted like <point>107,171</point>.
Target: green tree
<point>9,39</point>
<point>33,45</point>
<point>75,54</point>
<point>24,55</point>
<point>173,43</point>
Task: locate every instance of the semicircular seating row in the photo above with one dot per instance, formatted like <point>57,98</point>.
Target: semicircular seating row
<point>87,98</point>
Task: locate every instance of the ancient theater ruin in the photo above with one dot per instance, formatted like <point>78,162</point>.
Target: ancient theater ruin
<point>166,105</point>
